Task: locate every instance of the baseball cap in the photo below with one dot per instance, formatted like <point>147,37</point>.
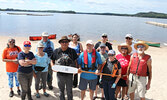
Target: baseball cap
<point>89,42</point>
<point>102,45</point>
<point>111,52</point>
<point>26,43</point>
<point>129,35</point>
<point>40,45</point>
<point>45,34</point>
<point>104,34</point>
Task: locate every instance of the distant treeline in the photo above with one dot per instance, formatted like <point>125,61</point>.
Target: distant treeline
<point>141,14</point>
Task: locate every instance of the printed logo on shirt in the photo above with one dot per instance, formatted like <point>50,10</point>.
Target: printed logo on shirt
<point>11,53</point>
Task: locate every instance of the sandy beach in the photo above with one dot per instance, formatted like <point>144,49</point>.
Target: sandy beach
<point>158,85</point>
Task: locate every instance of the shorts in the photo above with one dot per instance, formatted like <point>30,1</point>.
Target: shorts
<point>122,83</point>
<point>84,82</point>
<point>139,83</point>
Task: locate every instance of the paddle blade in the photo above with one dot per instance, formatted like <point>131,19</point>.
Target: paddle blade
<point>64,69</point>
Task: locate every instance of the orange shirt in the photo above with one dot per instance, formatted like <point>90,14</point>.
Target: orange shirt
<point>11,53</point>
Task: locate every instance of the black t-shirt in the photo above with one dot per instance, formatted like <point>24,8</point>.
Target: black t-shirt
<point>108,69</point>
<point>66,58</point>
<point>109,45</point>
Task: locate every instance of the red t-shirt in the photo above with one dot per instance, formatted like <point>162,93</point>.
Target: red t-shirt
<point>11,53</point>
<point>124,61</point>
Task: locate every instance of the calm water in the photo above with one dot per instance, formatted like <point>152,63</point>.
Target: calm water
<point>88,26</point>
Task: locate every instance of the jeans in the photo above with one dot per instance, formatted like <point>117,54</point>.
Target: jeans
<point>25,80</point>
<point>108,91</point>
<point>65,81</point>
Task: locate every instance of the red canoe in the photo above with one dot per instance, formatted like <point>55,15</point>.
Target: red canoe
<point>35,38</point>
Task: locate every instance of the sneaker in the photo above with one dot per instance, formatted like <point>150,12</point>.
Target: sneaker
<point>18,92</point>
<point>37,95</point>
<point>11,94</point>
<point>46,94</point>
<point>50,87</point>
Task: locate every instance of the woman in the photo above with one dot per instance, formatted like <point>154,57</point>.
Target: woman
<point>124,59</point>
<point>25,72</point>
<point>9,56</point>
<point>41,69</point>
<point>112,66</point>
<point>78,48</point>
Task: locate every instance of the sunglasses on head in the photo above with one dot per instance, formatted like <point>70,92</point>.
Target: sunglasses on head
<point>111,55</point>
<point>140,46</point>
<point>128,38</point>
<point>104,36</point>
<point>124,48</point>
<point>27,45</point>
<point>64,41</point>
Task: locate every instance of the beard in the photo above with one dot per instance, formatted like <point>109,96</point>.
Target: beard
<point>140,52</point>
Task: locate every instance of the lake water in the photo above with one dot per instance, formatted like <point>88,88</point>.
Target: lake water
<point>87,26</point>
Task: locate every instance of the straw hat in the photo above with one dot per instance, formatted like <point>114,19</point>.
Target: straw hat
<point>141,43</point>
<point>124,44</point>
<point>64,38</point>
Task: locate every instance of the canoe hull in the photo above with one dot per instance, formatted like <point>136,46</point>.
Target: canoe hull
<point>36,38</point>
<point>153,44</point>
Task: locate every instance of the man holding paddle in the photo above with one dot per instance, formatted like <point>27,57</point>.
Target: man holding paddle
<point>90,61</point>
<point>67,57</point>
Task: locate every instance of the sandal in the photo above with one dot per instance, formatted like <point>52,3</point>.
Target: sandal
<point>126,97</point>
<point>37,95</point>
<point>46,94</point>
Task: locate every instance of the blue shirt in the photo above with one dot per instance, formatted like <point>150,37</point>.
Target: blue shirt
<point>89,76</point>
<point>42,62</point>
<point>77,48</point>
<point>25,56</point>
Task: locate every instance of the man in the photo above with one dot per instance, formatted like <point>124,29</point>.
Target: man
<point>89,60</point>
<point>138,70</point>
<point>68,57</point>
<point>49,47</point>
<point>104,56</point>
<point>104,40</point>
<point>128,40</point>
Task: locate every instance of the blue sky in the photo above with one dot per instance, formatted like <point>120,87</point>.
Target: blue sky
<point>101,6</point>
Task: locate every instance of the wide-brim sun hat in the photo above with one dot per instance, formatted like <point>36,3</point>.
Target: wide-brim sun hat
<point>124,45</point>
<point>45,34</point>
<point>64,38</point>
<point>141,43</point>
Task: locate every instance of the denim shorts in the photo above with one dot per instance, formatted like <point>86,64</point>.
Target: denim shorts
<point>84,82</point>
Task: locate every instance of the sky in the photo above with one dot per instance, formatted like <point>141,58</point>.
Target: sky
<point>92,6</point>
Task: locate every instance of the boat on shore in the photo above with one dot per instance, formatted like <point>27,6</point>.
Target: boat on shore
<point>36,38</point>
<point>154,44</point>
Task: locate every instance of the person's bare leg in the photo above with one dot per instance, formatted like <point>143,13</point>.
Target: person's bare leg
<point>91,94</point>
<point>132,95</point>
<point>96,90</point>
<point>82,94</point>
<point>142,98</point>
<point>118,88</point>
<point>123,92</point>
<point>102,93</point>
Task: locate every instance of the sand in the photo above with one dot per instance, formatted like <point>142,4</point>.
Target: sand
<point>158,85</point>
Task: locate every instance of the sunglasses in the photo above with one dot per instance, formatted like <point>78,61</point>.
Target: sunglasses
<point>128,38</point>
<point>27,45</point>
<point>104,36</point>
<point>124,48</point>
<point>140,46</point>
<point>12,42</point>
<point>111,55</point>
<point>64,41</point>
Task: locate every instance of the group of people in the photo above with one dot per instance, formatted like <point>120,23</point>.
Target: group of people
<point>128,69</point>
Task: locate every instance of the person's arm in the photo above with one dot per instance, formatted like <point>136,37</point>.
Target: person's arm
<point>128,70</point>
<point>118,77</point>
<point>81,47</point>
<point>150,73</point>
